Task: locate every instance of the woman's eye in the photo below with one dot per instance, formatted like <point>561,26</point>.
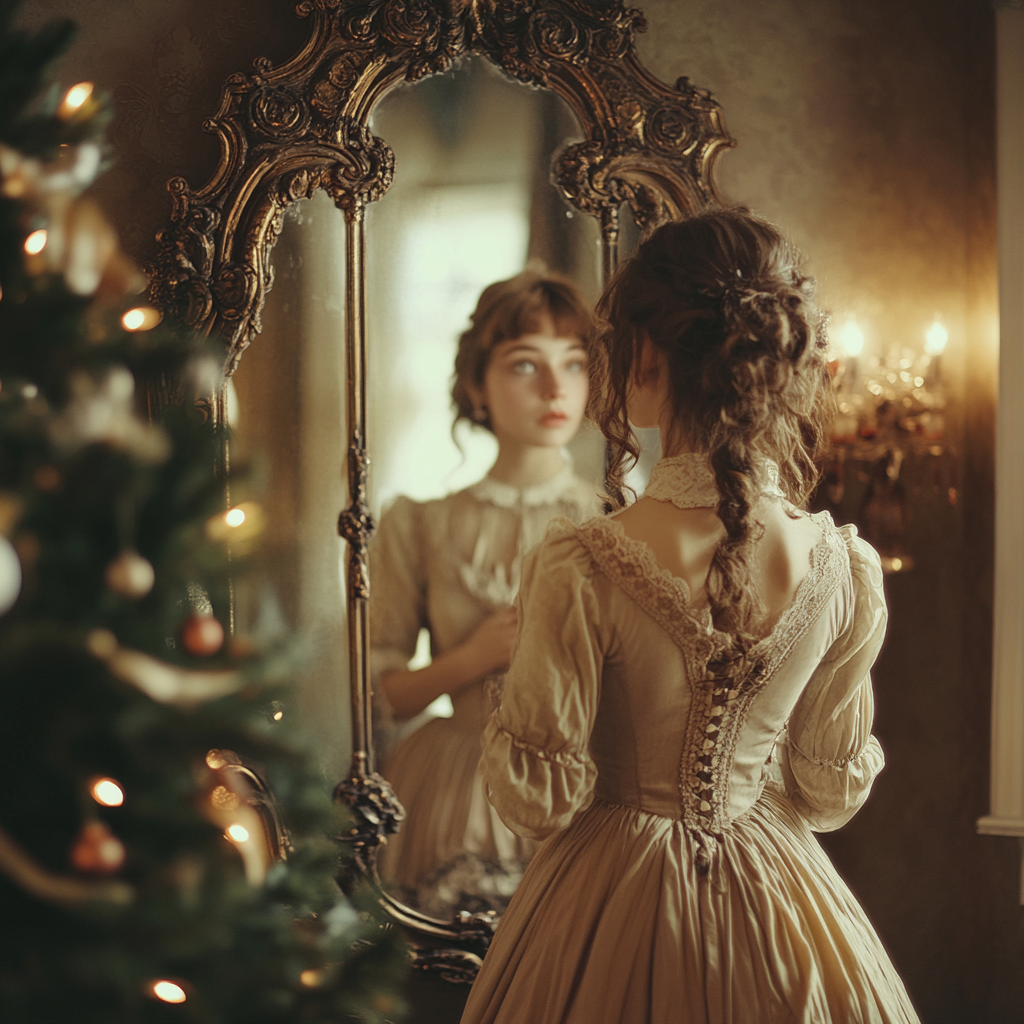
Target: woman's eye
<point>524,366</point>
<point>577,365</point>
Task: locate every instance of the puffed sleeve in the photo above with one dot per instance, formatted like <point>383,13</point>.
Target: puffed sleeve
<point>399,595</point>
<point>831,759</point>
<point>536,762</point>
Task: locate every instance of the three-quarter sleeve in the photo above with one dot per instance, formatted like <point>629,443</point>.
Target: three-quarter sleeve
<point>831,759</point>
<point>536,762</point>
<point>399,596</point>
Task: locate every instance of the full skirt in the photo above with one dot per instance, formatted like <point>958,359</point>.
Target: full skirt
<point>614,924</point>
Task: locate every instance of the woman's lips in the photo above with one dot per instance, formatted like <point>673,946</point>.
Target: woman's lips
<point>553,419</point>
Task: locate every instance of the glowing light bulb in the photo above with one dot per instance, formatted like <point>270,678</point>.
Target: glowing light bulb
<point>74,98</point>
<point>310,977</point>
<point>852,338</point>
<point>168,992</point>
<point>935,340</point>
<point>215,759</point>
<point>897,564</point>
<point>36,242</point>
<point>234,517</point>
<point>107,792</point>
<point>238,833</point>
<point>142,318</point>
<point>278,715</point>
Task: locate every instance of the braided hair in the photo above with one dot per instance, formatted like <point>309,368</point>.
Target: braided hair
<point>722,296</point>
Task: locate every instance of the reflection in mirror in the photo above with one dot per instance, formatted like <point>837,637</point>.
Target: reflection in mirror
<point>289,407</point>
<point>471,205</point>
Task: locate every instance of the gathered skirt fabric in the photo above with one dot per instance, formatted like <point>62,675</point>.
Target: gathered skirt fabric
<point>614,924</point>
<point>453,852</point>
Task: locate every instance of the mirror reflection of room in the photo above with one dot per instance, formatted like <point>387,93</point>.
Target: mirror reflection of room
<point>480,282</point>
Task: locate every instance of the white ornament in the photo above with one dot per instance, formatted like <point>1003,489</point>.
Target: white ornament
<point>130,575</point>
<point>10,575</point>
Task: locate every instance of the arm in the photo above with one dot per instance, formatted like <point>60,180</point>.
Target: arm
<point>487,650</point>
<point>536,761</point>
<point>831,759</point>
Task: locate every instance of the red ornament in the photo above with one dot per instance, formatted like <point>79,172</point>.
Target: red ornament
<point>97,850</point>
<point>202,635</point>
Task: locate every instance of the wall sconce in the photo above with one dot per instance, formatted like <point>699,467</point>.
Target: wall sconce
<point>891,407</point>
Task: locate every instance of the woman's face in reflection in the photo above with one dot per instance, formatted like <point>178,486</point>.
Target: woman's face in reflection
<point>535,389</point>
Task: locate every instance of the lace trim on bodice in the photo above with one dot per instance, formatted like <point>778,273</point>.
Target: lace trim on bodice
<point>496,585</point>
<point>560,487</point>
<point>717,712</point>
<point>688,481</point>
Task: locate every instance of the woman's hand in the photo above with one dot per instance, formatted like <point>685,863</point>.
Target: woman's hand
<point>489,647</point>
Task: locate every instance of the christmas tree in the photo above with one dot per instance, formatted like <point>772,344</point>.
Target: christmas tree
<point>144,875</point>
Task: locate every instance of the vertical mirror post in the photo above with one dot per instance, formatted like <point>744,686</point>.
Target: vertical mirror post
<point>355,523</point>
<point>609,242</point>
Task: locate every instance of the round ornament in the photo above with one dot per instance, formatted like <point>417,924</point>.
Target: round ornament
<point>130,575</point>
<point>202,635</point>
<point>97,850</point>
<point>10,575</point>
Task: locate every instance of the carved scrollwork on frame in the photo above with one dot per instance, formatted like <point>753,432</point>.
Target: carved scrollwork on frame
<point>287,130</point>
<point>355,523</point>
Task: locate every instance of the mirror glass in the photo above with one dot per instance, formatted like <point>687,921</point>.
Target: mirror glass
<point>286,403</point>
<point>472,204</point>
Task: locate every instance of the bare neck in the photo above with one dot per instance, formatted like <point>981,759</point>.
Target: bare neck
<point>526,465</point>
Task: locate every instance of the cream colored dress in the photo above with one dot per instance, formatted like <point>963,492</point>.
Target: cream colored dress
<point>679,880</point>
<point>438,565</point>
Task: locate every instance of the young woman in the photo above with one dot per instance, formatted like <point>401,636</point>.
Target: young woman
<point>452,566</point>
<point>690,696</point>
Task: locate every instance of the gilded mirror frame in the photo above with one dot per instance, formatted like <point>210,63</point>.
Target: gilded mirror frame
<point>286,131</point>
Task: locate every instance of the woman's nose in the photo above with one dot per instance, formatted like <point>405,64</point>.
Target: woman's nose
<point>551,385</point>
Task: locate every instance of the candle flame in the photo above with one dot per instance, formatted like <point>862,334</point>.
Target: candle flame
<point>935,340</point>
<point>852,339</point>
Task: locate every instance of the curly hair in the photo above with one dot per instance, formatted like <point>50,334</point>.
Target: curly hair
<point>722,295</point>
<point>522,305</point>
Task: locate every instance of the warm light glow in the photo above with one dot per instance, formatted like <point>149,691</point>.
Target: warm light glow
<point>852,338</point>
<point>238,833</point>
<point>75,97</point>
<point>29,391</point>
<point>897,564</point>
<point>310,977</point>
<point>935,340</point>
<point>142,318</point>
<point>278,715</point>
<point>36,242</point>
<point>234,517</point>
<point>169,992</point>
<point>107,792</point>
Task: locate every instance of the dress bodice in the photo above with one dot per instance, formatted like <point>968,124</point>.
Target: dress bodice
<point>610,688</point>
<point>444,565</point>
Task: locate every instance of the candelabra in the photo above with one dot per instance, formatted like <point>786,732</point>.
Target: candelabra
<point>891,407</point>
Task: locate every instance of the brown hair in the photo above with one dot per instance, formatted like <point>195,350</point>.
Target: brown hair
<point>722,296</point>
<point>512,309</point>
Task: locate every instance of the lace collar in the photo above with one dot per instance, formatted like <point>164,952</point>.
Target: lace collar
<point>560,487</point>
<point>688,481</point>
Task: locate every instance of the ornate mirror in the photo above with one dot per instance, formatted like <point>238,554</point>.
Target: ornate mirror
<point>523,126</point>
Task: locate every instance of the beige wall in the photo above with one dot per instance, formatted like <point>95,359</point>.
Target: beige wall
<point>866,130</point>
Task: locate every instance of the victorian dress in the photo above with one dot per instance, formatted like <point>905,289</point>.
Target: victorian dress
<point>438,565</point>
<point>679,879</point>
